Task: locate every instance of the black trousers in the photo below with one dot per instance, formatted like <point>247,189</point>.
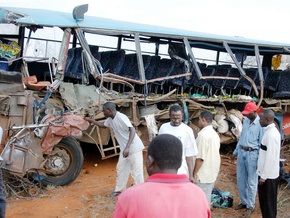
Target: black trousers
<point>2,197</point>
<point>268,198</point>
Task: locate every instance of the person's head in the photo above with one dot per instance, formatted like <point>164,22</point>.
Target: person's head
<point>250,110</point>
<point>164,155</point>
<point>266,117</point>
<point>175,114</point>
<point>205,119</point>
<point>109,109</point>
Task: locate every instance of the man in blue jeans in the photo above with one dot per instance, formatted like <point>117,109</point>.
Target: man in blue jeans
<point>247,151</point>
<point>2,197</point>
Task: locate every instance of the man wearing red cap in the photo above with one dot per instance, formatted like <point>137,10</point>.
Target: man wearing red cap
<point>247,151</point>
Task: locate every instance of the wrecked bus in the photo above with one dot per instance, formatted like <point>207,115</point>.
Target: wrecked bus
<point>48,85</point>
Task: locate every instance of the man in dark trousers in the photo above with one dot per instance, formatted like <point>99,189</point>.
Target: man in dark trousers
<point>268,165</point>
<point>2,197</point>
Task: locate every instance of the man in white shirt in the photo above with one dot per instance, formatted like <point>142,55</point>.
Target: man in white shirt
<point>268,165</point>
<point>131,146</point>
<point>185,134</point>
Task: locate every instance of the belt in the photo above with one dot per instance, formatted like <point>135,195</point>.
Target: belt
<point>248,148</point>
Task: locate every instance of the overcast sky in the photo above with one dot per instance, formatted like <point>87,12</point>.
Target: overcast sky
<point>256,19</point>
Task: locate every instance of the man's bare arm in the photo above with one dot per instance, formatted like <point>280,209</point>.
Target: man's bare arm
<point>189,162</point>
<point>131,137</point>
<point>98,123</point>
<point>198,164</point>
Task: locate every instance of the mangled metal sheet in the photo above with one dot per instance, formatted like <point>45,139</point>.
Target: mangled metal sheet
<point>89,98</point>
<point>81,96</point>
<point>67,125</point>
<point>22,153</point>
<point>10,82</point>
<point>5,101</point>
<point>68,95</point>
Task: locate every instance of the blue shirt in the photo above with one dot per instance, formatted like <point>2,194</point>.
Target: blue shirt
<point>251,135</point>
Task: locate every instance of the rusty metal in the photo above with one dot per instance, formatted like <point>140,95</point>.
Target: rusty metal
<point>18,186</point>
<point>22,152</point>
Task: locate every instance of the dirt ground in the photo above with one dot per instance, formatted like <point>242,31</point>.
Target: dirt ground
<point>89,195</point>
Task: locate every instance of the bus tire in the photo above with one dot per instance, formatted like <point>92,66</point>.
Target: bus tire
<point>64,163</point>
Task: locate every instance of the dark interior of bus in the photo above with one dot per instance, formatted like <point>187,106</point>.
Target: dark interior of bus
<point>158,69</point>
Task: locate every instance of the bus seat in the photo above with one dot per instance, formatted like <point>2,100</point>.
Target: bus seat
<point>271,83</point>
<point>202,65</point>
<point>130,67</point>
<point>4,64</point>
<point>95,51</point>
<point>265,75</point>
<point>115,62</point>
<point>32,83</point>
<point>201,84</point>
<point>228,66</point>
<point>231,85</point>
<point>151,69</point>
<point>105,58</point>
<point>146,61</point>
<point>135,69</point>
<point>164,68</point>
<point>74,66</point>
<point>218,84</point>
<point>76,69</point>
<point>283,87</point>
<point>128,62</point>
<point>244,84</point>
<point>179,68</point>
<point>214,66</point>
<point>70,57</point>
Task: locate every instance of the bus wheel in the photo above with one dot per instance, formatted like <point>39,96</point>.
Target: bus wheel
<point>64,163</point>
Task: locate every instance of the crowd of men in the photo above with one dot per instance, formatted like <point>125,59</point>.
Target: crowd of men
<point>183,169</point>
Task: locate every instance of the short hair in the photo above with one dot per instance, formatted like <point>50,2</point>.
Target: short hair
<point>207,115</point>
<point>110,105</point>
<point>175,108</point>
<point>166,150</point>
<point>268,113</point>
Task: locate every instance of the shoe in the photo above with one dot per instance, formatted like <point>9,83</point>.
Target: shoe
<point>240,206</point>
<point>248,213</point>
<point>115,194</point>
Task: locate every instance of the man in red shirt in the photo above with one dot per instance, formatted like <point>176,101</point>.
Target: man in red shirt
<point>165,193</point>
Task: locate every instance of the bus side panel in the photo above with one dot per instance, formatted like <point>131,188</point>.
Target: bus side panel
<point>286,125</point>
<point>93,137</point>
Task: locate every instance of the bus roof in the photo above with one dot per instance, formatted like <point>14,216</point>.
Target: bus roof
<point>40,17</point>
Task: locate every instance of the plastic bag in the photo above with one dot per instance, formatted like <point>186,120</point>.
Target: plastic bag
<point>221,199</point>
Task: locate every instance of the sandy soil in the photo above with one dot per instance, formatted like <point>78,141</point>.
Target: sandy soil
<point>90,194</point>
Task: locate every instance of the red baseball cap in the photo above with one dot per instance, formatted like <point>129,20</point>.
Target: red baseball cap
<point>249,107</point>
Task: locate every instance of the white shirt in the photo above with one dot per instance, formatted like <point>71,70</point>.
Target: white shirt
<point>185,134</point>
<point>269,154</point>
<point>120,126</point>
